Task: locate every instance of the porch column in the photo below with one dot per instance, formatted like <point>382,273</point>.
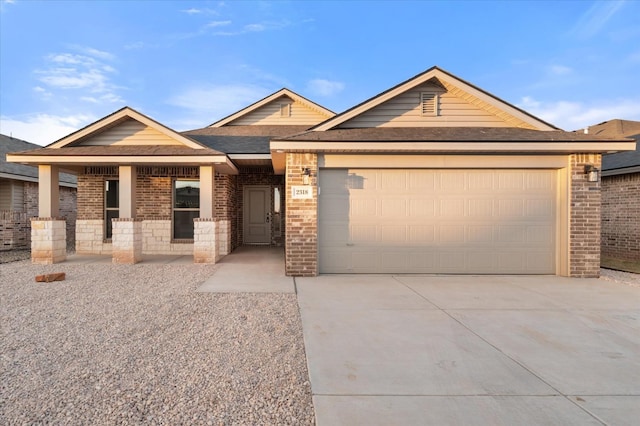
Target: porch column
<point>205,229</point>
<point>48,231</point>
<point>127,230</point>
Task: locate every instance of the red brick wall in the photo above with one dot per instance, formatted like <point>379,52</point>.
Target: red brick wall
<point>301,252</point>
<point>584,228</point>
<point>621,216</point>
<point>226,203</point>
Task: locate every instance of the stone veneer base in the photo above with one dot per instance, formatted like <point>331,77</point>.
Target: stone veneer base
<point>205,245</point>
<point>48,240</point>
<point>126,241</point>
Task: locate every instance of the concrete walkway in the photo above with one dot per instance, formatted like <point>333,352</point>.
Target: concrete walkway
<point>471,350</point>
<point>250,269</point>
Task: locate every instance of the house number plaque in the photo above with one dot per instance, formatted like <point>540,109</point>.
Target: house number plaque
<point>302,191</point>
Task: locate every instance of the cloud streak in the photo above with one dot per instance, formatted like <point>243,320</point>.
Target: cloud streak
<point>596,18</point>
<point>322,87</point>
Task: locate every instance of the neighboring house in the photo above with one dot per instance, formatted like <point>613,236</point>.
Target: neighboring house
<point>19,198</point>
<point>433,175</point>
<point>620,193</point>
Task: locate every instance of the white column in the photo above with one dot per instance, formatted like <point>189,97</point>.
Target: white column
<point>127,196</point>
<point>207,191</point>
<point>48,191</point>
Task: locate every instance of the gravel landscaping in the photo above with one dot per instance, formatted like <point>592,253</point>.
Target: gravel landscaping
<point>118,344</point>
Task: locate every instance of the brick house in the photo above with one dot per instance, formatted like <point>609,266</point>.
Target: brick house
<point>620,193</point>
<point>19,198</point>
<point>434,175</point>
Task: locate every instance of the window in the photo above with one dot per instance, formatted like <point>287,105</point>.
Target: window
<point>429,103</point>
<point>285,110</point>
<point>111,205</point>
<point>186,207</point>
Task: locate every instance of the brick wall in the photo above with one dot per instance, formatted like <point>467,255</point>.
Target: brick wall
<point>584,227</point>
<point>226,208</point>
<point>259,176</point>
<point>15,231</point>
<point>301,252</point>
<point>621,216</point>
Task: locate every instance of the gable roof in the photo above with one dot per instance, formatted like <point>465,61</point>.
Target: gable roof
<point>264,101</point>
<point>450,82</point>
<point>116,118</point>
<point>252,139</point>
<point>24,172</point>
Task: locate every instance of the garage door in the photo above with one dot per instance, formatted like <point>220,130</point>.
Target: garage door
<point>437,221</point>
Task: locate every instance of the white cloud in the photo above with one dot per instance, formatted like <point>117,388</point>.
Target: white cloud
<point>322,87</point>
<point>573,115</point>
<point>560,70</point>
<point>214,24</point>
<point>192,11</point>
<point>596,18</point>
<point>43,129</point>
<point>88,74</point>
<point>206,105</point>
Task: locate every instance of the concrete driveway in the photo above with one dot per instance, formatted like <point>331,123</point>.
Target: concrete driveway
<point>471,350</point>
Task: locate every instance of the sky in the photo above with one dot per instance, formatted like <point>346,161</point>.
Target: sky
<point>187,64</point>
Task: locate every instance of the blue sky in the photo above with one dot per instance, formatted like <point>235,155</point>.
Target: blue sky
<point>65,64</point>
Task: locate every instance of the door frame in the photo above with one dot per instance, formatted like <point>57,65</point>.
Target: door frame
<point>246,213</point>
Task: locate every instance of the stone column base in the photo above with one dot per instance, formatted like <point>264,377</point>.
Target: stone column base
<point>126,241</point>
<point>224,237</point>
<point>205,246</point>
<point>48,240</point>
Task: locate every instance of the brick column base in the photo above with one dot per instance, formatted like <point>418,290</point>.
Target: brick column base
<point>126,241</point>
<point>205,245</point>
<point>48,240</point>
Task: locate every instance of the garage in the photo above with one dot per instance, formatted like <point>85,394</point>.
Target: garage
<point>458,221</point>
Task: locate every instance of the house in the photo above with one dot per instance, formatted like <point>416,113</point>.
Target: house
<point>620,193</point>
<point>19,198</point>
<point>434,175</point>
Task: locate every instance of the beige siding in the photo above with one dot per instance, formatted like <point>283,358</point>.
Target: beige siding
<point>404,111</point>
<point>269,114</point>
<point>130,132</point>
<point>11,195</point>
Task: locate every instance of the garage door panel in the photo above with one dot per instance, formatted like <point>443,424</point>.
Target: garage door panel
<point>437,221</point>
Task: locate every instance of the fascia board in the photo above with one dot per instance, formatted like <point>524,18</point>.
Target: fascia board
<point>564,147</point>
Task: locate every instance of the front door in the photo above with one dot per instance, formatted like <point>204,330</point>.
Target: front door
<point>257,215</point>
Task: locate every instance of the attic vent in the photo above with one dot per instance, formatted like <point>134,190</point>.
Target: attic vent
<point>429,103</point>
<point>285,110</point>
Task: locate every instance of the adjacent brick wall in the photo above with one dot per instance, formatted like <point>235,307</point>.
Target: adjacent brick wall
<point>15,231</point>
<point>584,231</point>
<point>621,216</point>
<point>301,249</point>
<point>226,209</point>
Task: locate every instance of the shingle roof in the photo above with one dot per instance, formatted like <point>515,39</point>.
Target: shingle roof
<point>11,145</point>
<point>123,150</point>
<point>619,128</point>
<point>445,134</point>
<point>242,139</point>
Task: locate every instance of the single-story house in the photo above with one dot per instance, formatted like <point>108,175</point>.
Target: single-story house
<point>434,175</point>
<point>19,198</point>
<point>620,193</point>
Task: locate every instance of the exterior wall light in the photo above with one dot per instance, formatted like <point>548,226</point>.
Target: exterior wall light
<point>591,172</point>
<point>306,175</point>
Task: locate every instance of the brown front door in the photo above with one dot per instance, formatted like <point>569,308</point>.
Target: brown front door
<point>257,215</point>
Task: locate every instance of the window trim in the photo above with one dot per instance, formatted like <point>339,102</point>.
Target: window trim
<point>105,209</point>
<point>181,209</point>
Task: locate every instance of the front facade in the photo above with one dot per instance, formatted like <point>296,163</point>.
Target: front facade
<point>431,176</point>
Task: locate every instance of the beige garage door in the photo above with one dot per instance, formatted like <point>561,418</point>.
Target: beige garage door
<point>437,221</point>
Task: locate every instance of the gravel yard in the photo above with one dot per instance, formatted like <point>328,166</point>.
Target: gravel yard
<point>136,345</point>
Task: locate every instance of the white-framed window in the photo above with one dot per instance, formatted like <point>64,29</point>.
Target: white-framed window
<point>186,207</point>
<point>429,104</point>
<point>111,205</point>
